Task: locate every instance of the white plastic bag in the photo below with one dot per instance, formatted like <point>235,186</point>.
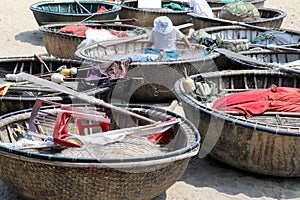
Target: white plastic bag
<point>96,35</point>
<point>201,8</point>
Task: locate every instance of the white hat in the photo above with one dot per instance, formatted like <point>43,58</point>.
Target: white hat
<point>163,25</point>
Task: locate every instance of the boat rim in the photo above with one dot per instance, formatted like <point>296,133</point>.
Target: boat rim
<point>79,53</point>
<point>161,11</point>
<point>48,28</point>
<point>34,8</point>
<point>281,14</point>
<point>184,152</point>
<point>180,93</point>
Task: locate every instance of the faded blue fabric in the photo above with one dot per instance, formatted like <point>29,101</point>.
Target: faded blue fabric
<point>146,57</point>
<point>151,55</point>
<point>172,54</point>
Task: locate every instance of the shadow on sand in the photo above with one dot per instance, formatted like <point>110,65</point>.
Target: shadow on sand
<point>33,37</point>
<point>210,173</point>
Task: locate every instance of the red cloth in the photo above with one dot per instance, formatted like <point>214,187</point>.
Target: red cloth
<point>277,99</point>
<point>119,33</point>
<point>102,9</point>
<point>80,30</point>
<point>75,29</point>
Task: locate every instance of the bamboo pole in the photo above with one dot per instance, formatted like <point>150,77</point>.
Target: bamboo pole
<point>82,96</point>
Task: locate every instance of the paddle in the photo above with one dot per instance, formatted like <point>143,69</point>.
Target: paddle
<point>233,22</point>
<point>275,47</point>
<point>105,44</point>
<point>41,61</point>
<point>95,21</point>
<point>82,96</point>
<point>241,57</point>
<point>81,6</point>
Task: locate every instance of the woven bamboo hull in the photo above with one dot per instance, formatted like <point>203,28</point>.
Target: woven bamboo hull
<point>249,33</point>
<point>256,3</point>
<point>272,18</point>
<point>36,175</point>
<point>146,17</point>
<point>45,12</point>
<point>255,146</point>
<point>92,187</point>
<point>64,45</point>
<point>152,81</point>
<point>21,99</point>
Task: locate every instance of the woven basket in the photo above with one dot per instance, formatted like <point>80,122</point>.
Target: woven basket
<point>23,96</point>
<point>36,175</point>
<point>218,3</point>
<point>146,16</point>
<point>269,18</point>
<point>64,11</point>
<point>260,144</point>
<point>151,81</point>
<point>64,45</point>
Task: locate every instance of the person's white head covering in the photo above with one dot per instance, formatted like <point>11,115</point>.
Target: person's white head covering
<point>163,24</point>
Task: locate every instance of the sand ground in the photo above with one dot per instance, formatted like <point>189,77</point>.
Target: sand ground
<point>204,179</point>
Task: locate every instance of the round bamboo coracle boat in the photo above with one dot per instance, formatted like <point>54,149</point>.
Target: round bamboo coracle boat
<point>279,60</point>
<point>272,18</point>
<point>285,37</point>
<point>146,16</point>
<point>22,94</point>
<point>266,143</point>
<point>132,168</point>
<point>151,80</point>
<point>75,11</point>
<point>64,45</point>
<point>220,3</point>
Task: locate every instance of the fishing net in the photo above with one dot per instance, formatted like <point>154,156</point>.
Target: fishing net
<point>126,148</point>
<point>206,39</point>
<point>275,37</point>
<point>239,11</point>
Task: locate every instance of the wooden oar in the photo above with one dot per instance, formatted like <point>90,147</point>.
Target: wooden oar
<point>41,61</point>
<point>81,6</point>
<point>184,26</point>
<point>234,22</point>
<point>112,21</point>
<point>38,147</point>
<point>105,44</point>
<point>275,47</point>
<point>82,96</point>
<point>94,21</point>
